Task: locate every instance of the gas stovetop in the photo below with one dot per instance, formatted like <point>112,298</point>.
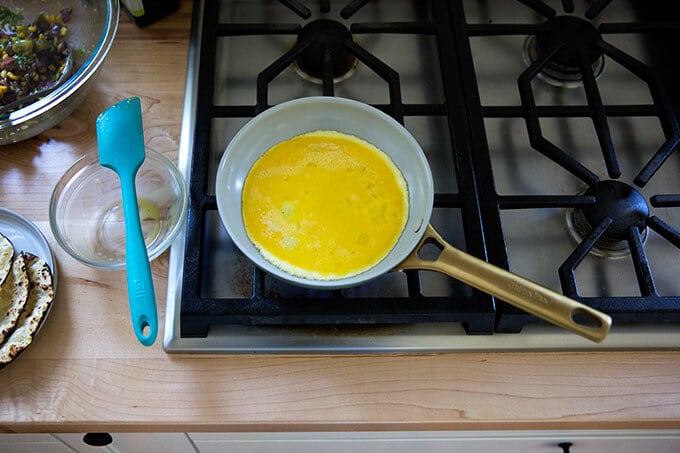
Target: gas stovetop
<point>551,130</point>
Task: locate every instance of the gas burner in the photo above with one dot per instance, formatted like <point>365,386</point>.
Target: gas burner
<point>573,34</point>
<point>621,203</point>
<point>327,41</point>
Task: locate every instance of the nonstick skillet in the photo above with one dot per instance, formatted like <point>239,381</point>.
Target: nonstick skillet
<point>292,118</point>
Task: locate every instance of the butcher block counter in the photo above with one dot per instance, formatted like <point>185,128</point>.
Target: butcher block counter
<point>86,371</point>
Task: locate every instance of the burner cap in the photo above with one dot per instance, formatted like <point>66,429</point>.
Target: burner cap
<point>572,34</point>
<point>325,36</point>
<point>618,201</point>
<point>621,203</point>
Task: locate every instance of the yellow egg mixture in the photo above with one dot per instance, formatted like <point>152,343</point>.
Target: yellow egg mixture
<point>324,205</point>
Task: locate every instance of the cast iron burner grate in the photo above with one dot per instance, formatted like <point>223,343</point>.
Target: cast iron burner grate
<point>328,59</point>
<point>611,214</point>
<point>475,199</point>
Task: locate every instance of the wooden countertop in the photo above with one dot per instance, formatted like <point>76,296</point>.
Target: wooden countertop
<point>86,371</point>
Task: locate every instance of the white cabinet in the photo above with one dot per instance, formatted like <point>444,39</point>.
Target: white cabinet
<point>133,443</point>
<point>33,443</point>
<point>441,442</point>
<point>647,441</point>
<point>121,443</point>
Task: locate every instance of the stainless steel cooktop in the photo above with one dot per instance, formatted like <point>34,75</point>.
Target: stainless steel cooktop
<point>550,128</point>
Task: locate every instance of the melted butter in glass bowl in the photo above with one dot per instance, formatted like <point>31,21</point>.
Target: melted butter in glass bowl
<point>86,212</point>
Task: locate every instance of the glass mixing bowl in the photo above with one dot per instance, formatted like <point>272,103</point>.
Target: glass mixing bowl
<point>91,31</point>
<point>86,211</point>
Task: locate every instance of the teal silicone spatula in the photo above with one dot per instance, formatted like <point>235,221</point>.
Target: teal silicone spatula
<point>120,138</point>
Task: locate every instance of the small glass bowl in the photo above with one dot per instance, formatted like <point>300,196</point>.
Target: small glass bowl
<point>86,211</point>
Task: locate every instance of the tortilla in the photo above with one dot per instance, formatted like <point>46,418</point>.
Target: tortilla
<point>13,296</point>
<point>40,297</point>
<point>6,257</point>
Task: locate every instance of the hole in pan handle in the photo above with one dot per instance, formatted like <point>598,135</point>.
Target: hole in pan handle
<point>511,288</point>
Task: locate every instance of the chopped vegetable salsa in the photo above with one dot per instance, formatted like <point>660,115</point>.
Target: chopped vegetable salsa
<point>33,55</point>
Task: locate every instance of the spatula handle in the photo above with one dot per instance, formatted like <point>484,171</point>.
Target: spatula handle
<point>141,293</point>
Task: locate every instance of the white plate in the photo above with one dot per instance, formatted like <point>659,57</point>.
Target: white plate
<point>26,237</point>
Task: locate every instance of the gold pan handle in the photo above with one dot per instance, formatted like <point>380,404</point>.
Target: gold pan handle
<point>513,289</point>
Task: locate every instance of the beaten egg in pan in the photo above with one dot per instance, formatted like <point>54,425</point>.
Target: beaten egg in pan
<point>324,205</point>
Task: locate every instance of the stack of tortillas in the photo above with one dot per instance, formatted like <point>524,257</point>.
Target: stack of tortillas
<point>26,292</point>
